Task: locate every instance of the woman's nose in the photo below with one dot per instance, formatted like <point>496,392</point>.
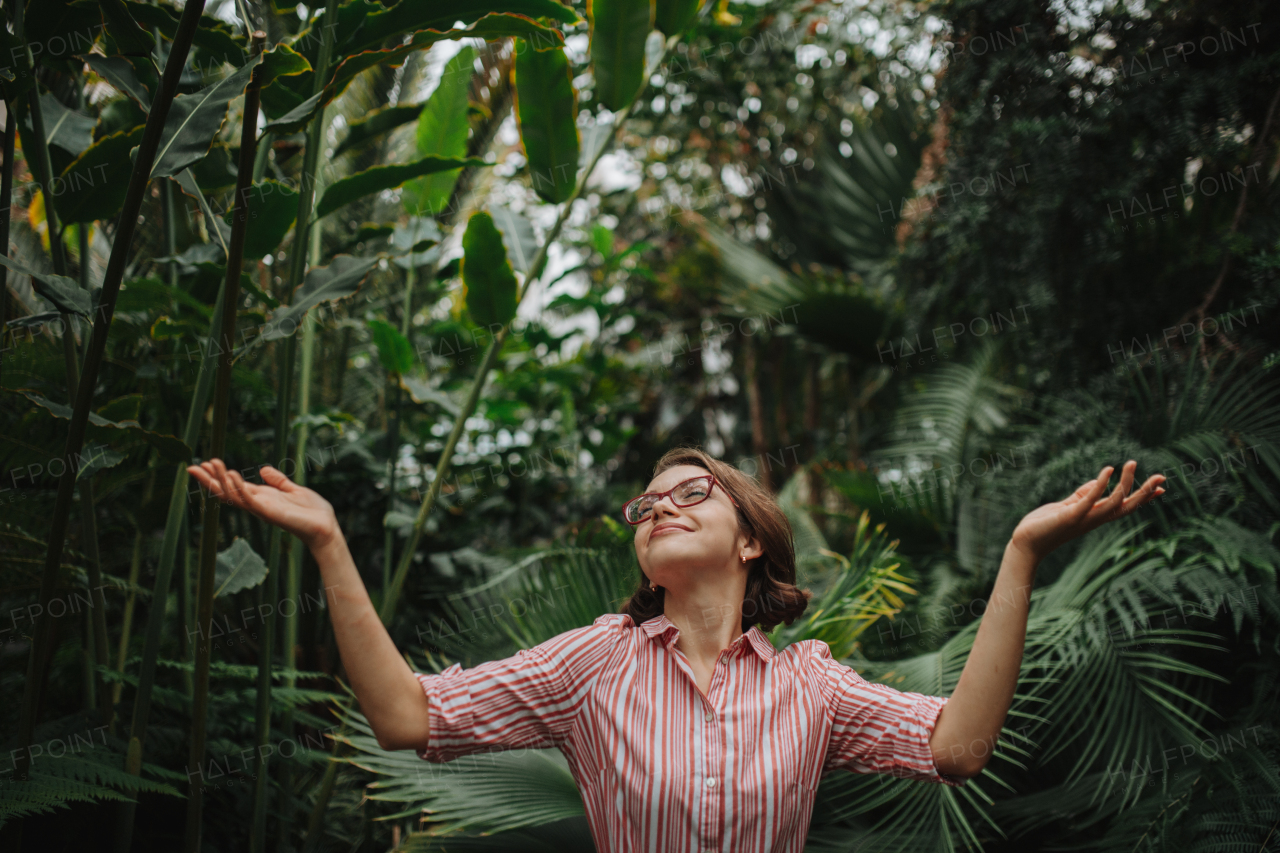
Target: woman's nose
<point>665,506</point>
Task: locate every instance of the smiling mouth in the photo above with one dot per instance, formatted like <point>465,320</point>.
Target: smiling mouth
<point>666,528</point>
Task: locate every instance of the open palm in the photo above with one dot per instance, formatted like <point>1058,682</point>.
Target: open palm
<point>1053,524</point>
<point>296,509</point>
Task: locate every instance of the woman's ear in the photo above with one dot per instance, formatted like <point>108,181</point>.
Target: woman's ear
<point>750,550</point>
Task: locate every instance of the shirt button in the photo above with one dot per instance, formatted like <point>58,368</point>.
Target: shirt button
<point>711,783</point>
<point>710,716</point>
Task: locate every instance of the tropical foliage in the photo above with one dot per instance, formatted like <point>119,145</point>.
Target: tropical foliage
<point>468,270</point>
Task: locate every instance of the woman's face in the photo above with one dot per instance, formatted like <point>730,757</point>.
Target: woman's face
<point>678,546</point>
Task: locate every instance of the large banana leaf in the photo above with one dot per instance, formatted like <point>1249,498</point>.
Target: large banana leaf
<point>442,132</point>
<point>619,29</point>
<point>547,107</point>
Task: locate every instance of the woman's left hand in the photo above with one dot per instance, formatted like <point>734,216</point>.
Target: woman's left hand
<point>1044,529</point>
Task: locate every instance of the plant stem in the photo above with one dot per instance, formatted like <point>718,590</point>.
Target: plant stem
<point>6,198</point>
<point>135,568</point>
<point>393,440</point>
<point>42,645</point>
<point>126,629</point>
<point>293,578</point>
<point>217,444</point>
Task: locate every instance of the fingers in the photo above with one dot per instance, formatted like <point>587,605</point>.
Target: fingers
<point>1114,500</point>
<point>226,485</point>
<point>1150,490</point>
<point>277,479</point>
<point>1089,494</point>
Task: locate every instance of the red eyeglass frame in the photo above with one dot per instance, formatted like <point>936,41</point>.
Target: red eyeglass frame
<point>669,492</point>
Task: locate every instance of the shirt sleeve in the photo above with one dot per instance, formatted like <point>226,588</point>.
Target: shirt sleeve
<point>528,700</point>
<point>877,729</point>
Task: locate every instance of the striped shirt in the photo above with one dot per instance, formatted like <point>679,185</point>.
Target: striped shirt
<point>662,767</point>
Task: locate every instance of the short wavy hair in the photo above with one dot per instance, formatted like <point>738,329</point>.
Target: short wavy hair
<point>771,596</point>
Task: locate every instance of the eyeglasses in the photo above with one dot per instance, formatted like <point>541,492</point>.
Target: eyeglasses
<point>689,493</point>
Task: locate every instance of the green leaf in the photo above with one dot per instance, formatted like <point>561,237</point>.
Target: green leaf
<point>491,26</point>
<point>619,29</point>
<point>298,117</point>
<point>442,131</point>
<point>239,568</point>
<point>122,75</point>
<point>517,235</point>
<point>602,240</point>
<point>375,124</point>
<point>100,458</point>
<point>217,170</point>
<point>187,182</point>
<point>412,16</point>
<point>194,120</point>
<point>594,137</point>
<point>282,61</point>
<point>367,231</point>
<point>60,28</point>
<point>394,350</point>
<point>272,208</point>
<point>93,188</point>
<point>675,16</point>
<point>491,284</point>
<point>171,448</point>
<point>65,293</point>
<point>212,36</point>
<point>323,284</point>
<point>129,37</point>
<point>69,130</point>
<point>418,240</point>
<point>152,294</point>
<point>547,108</point>
<point>421,392</point>
<point>380,178</point>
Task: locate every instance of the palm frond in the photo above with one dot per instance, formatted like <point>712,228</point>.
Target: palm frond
<point>853,595</point>
<point>492,793</point>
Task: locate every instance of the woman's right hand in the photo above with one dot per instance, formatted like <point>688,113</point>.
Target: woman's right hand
<point>296,509</point>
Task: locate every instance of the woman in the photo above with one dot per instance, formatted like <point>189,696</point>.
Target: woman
<point>686,730</point>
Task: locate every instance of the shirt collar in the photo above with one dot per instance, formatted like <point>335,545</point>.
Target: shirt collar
<point>662,630</point>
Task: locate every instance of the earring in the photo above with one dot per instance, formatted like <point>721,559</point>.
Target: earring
<point>744,558</point>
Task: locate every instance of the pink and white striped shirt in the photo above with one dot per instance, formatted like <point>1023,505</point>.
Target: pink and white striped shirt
<point>662,767</point>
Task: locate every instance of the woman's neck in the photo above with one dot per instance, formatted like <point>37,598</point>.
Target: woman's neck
<point>707,627</point>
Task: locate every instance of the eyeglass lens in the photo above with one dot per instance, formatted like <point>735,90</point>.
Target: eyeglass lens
<point>688,493</point>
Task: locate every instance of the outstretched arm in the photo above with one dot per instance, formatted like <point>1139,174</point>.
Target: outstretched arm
<point>389,693</point>
<point>966,731</point>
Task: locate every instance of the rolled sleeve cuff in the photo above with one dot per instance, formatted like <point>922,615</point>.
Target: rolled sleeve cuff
<point>925,712</point>
<point>449,714</point>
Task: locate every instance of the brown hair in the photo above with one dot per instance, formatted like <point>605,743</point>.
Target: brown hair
<point>771,596</point>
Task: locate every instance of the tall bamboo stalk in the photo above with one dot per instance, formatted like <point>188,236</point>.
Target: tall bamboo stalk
<point>217,443</point>
<point>293,578</point>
